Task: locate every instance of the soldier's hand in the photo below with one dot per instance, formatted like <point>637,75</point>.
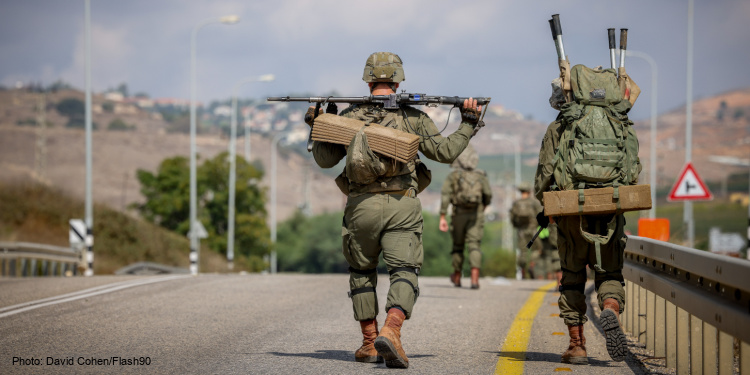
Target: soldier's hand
<point>310,116</point>
<point>542,220</point>
<point>443,224</point>
<point>470,111</point>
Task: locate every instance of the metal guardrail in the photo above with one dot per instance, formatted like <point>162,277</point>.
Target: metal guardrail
<point>31,259</point>
<point>688,306</point>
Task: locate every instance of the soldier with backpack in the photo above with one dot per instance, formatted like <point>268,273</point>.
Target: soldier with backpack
<point>591,144</point>
<point>468,190</point>
<point>383,213</point>
<point>523,217</point>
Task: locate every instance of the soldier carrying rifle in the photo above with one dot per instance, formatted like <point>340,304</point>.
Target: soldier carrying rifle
<point>383,213</point>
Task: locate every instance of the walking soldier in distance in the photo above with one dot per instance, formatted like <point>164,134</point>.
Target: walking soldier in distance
<point>468,190</point>
<point>383,213</point>
<point>523,217</point>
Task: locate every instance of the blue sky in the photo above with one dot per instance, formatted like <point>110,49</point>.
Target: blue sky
<point>501,49</point>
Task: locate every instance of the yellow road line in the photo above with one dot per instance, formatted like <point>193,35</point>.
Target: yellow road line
<point>513,354</point>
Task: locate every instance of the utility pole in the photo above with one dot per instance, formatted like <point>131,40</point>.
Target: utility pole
<point>688,211</point>
<point>41,137</point>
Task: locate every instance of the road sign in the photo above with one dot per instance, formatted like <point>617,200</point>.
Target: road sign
<point>725,242</point>
<point>200,230</point>
<point>689,187</point>
<point>77,233</point>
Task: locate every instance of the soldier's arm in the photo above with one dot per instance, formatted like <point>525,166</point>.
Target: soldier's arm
<point>436,147</point>
<point>486,191</point>
<point>544,178</point>
<point>445,194</point>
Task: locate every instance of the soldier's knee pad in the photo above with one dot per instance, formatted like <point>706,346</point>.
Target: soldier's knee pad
<point>609,276</point>
<point>363,277</point>
<point>396,280</point>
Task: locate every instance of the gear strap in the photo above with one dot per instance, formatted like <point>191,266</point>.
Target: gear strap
<point>363,272</point>
<point>367,289</point>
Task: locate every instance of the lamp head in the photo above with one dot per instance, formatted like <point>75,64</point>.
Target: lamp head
<point>229,20</point>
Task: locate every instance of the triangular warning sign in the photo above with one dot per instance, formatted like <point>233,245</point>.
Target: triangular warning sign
<point>689,187</point>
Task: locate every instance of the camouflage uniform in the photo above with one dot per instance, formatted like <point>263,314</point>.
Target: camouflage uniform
<point>386,215</point>
<point>467,222</point>
<point>575,251</point>
<point>523,217</point>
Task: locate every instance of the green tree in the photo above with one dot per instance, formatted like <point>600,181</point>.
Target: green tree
<point>168,203</point>
<point>71,107</point>
<point>119,124</point>
<point>311,244</point>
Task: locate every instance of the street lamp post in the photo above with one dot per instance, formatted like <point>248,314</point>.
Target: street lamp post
<point>274,145</point>
<point>233,164</point>
<point>507,233</point>
<point>89,206</point>
<point>194,241</point>
<point>652,163</point>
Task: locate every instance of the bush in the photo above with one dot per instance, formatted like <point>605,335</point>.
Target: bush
<point>119,125</point>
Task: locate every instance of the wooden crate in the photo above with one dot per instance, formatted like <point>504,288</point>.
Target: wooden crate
<point>597,201</point>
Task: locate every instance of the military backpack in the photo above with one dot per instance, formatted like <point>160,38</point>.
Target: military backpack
<point>467,189</point>
<point>598,146</point>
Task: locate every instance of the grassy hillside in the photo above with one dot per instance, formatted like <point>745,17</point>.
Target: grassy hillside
<point>32,212</point>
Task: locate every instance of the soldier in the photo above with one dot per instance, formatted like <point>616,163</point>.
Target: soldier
<point>522,216</point>
<point>550,257</point>
<point>468,190</point>
<point>385,215</point>
<point>576,252</point>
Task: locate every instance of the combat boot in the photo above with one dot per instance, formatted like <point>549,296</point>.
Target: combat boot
<point>576,353</point>
<point>475,278</point>
<point>388,343</point>
<point>456,278</point>
<point>367,353</point>
<point>616,341</point>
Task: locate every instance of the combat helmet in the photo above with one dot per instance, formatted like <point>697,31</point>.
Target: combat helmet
<point>383,67</point>
<point>524,186</point>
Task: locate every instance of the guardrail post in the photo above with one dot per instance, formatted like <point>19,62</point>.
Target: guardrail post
<point>24,266</point>
<point>650,321</point>
<point>671,335</point>
<point>683,340</point>
<point>710,348</point>
<point>642,315</point>
<point>33,269</point>
<point>696,344</point>
<point>660,331</point>
<point>628,307</point>
<point>636,311</point>
<point>726,354</point>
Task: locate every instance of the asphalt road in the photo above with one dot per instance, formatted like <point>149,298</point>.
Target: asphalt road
<point>262,324</point>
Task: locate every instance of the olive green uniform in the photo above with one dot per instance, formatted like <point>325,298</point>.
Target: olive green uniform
<point>467,222</point>
<point>575,251</point>
<point>523,217</point>
<point>386,215</point>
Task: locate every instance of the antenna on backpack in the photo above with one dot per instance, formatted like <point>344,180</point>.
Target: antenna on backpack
<point>611,35</point>
<point>623,46</point>
<point>562,60</point>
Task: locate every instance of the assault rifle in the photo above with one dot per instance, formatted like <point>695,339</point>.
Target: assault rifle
<point>392,101</point>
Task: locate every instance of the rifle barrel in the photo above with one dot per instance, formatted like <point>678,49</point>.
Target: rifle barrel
<point>402,98</point>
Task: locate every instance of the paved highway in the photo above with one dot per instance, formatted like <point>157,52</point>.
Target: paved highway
<point>282,324</point>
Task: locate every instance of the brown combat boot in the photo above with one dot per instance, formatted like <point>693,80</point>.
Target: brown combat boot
<point>475,278</point>
<point>367,353</point>
<point>610,319</point>
<point>576,353</point>
<point>456,278</point>
<point>388,343</point>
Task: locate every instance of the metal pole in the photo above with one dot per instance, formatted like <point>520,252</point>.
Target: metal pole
<point>247,143</point>
<point>89,204</point>
<point>652,164</point>
<point>688,211</point>
<point>274,145</point>
<point>233,166</point>
<point>194,240</point>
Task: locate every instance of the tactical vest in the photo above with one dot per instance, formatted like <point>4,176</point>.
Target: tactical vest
<point>368,172</point>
